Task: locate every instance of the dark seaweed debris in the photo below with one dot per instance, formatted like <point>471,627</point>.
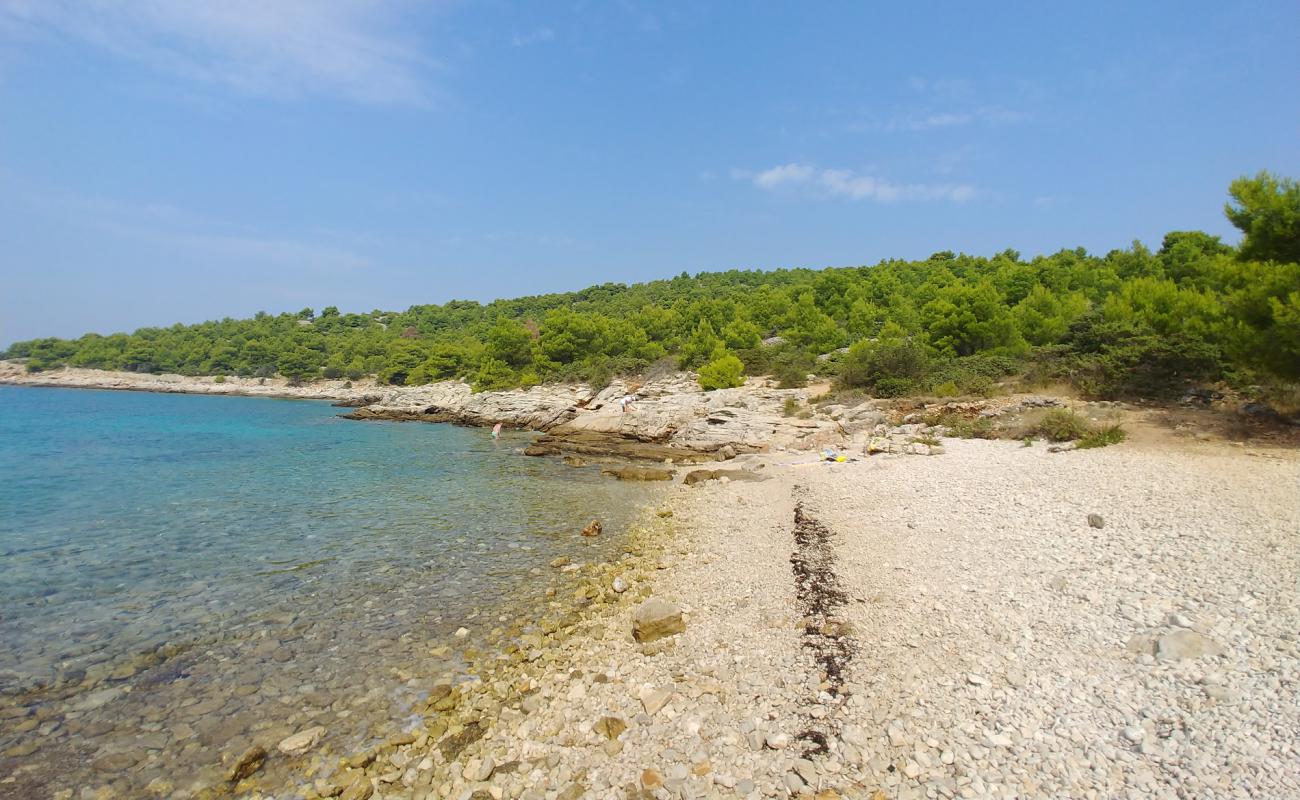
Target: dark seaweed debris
<point>820,594</point>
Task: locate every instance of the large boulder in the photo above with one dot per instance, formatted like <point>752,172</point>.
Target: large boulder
<point>655,619</point>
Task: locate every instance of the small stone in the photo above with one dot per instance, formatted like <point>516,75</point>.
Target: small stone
<point>610,727</point>
<point>301,742</point>
<point>911,769</point>
<point>777,741</point>
<point>361,789</point>
<point>1096,521</point>
<point>461,633</point>
<point>651,779</point>
<point>477,770</point>
<point>619,585</point>
<point>656,619</point>
<point>1134,733</point>
<point>654,699</point>
<point>975,679</point>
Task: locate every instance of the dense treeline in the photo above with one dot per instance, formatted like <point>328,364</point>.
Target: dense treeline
<point>1132,321</point>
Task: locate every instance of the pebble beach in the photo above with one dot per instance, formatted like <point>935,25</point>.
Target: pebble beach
<point>1005,622</point>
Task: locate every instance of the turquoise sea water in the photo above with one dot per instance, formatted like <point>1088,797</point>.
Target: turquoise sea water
<point>178,549</point>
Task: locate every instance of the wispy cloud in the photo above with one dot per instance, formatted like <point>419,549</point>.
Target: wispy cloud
<point>912,122</point>
<point>850,184</point>
<point>536,36</point>
<point>345,48</point>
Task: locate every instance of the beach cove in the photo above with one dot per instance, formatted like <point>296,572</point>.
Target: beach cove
<point>935,617</point>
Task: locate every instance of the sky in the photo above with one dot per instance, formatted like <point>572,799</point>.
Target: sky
<point>165,162</point>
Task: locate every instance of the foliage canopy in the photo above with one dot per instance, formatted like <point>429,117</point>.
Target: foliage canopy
<point>1131,321</point>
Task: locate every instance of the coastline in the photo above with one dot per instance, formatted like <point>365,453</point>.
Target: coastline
<point>895,628</point>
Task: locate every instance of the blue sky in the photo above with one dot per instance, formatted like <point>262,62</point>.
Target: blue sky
<point>166,162</point>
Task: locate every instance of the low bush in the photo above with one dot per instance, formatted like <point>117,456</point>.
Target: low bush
<point>790,407</point>
<point>946,389</point>
<point>1063,425</point>
<point>1102,437</point>
<point>791,376</point>
<point>894,387</point>
<point>960,427</point>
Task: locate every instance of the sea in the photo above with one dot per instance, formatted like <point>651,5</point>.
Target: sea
<point>180,574</point>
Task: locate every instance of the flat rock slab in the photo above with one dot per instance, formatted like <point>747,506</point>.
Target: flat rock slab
<point>701,475</point>
<point>603,444</point>
<point>639,473</point>
<point>1186,644</point>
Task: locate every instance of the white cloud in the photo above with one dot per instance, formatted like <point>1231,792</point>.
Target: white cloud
<point>537,36</point>
<point>786,173</point>
<point>345,48</point>
<point>852,185</point>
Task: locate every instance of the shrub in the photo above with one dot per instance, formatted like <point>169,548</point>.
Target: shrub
<point>894,387</point>
<point>1103,437</point>
<point>960,427</point>
<point>1063,425</point>
<point>869,364</point>
<point>790,407</point>
<point>219,379</point>
<point>493,375</point>
<point>946,389</point>
<point>723,372</point>
<point>791,376</point>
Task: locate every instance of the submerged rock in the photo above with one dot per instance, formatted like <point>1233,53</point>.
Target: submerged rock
<point>301,742</point>
<point>639,473</point>
<point>249,761</point>
<point>594,528</point>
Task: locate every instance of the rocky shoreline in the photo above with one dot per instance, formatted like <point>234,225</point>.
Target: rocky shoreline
<point>673,420</point>
<point>999,622</point>
<point>1006,620</point>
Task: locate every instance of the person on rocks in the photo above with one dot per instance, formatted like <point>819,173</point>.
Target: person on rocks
<point>626,403</point>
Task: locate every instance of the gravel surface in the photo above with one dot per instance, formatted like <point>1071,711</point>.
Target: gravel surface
<point>994,621</point>
<point>999,642</point>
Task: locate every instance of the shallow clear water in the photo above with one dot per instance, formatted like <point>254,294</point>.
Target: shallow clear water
<point>181,549</point>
